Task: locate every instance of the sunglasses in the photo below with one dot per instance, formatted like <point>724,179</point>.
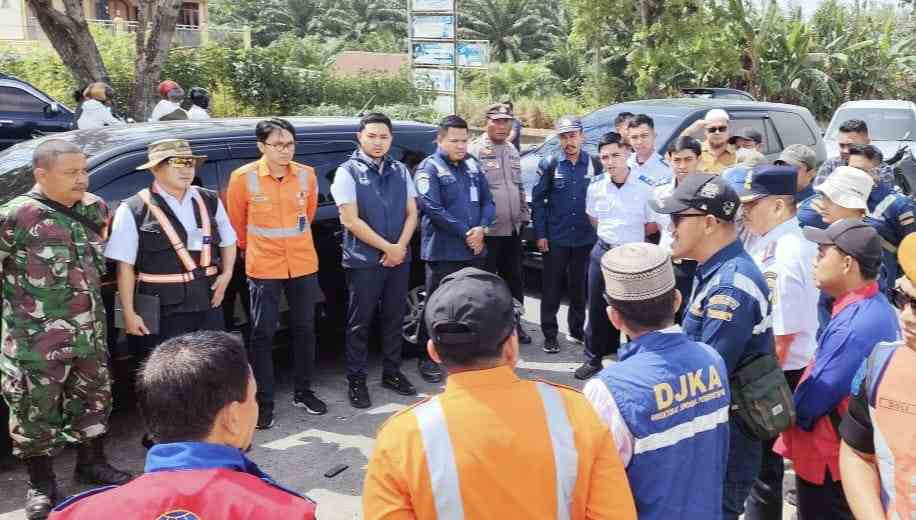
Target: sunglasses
<point>717,130</point>
<point>902,299</point>
<point>676,218</point>
<point>182,162</point>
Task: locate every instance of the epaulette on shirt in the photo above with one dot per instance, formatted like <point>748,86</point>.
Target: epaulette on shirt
<point>648,180</point>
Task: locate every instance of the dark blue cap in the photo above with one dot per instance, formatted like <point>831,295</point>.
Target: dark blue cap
<point>768,179</point>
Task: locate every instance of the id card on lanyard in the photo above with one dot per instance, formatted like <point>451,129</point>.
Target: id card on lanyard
<point>303,220</point>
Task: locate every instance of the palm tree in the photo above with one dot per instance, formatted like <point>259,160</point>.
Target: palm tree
<point>354,20</point>
<point>516,29</point>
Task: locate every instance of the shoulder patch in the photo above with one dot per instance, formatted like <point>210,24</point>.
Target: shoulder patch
<point>422,183</point>
<point>724,300</point>
<point>718,315</point>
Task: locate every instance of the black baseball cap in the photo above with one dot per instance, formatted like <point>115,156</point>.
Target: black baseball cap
<point>764,180</point>
<point>747,133</point>
<point>853,236</point>
<point>477,303</point>
<point>710,194</point>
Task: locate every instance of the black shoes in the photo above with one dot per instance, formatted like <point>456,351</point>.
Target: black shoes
<point>359,394</point>
<point>42,492</point>
<point>307,399</point>
<point>523,336</point>
<point>551,346</point>
<point>265,418</point>
<point>429,370</point>
<point>400,384</point>
<point>587,370</point>
<point>92,468</point>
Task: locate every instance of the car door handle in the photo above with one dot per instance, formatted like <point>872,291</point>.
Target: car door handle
<point>6,122</point>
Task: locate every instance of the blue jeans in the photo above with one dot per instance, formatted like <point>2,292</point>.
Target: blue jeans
<point>744,459</point>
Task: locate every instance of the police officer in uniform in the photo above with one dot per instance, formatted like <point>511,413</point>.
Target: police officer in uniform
<point>492,445</point>
<point>730,306</point>
<point>458,210</point>
<point>564,234</point>
<point>377,202</point>
<point>172,241</point>
<point>644,395</point>
<point>54,361</point>
<point>500,162</point>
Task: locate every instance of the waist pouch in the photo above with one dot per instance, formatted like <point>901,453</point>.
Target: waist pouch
<point>761,397</point>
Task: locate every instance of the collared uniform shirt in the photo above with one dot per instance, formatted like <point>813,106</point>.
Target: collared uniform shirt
<point>709,163</point>
<point>124,240</point>
<point>666,239</point>
<point>558,208</point>
<point>885,171</point>
<point>502,166</point>
<point>343,189</point>
<point>786,259</point>
<point>654,171</point>
<point>622,213</point>
<point>496,446</point>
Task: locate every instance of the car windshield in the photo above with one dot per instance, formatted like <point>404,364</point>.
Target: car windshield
<point>891,124</point>
<point>601,121</point>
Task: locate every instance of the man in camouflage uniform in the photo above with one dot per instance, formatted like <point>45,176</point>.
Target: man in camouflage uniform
<point>54,359</point>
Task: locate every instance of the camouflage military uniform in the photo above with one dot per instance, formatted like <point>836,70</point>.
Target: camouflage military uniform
<point>54,360</point>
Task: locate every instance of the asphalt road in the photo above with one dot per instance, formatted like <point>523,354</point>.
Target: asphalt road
<point>301,448</point>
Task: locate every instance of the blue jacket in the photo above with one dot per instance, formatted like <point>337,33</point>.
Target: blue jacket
<point>382,204</point>
<point>730,307</point>
<point>892,216</point>
<point>807,217</point>
<point>558,208</point>
<point>453,198</point>
<point>673,394</point>
<point>860,321</point>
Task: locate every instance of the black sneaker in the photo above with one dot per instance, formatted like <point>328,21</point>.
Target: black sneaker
<point>429,370</point>
<point>307,399</point>
<point>587,370</point>
<point>523,336</point>
<point>359,393</point>
<point>398,383</point>
<point>551,346</point>
<point>265,418</point>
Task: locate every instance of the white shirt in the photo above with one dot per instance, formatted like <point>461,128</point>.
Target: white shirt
<point>163,108</point>
<point>124,240</point>
<point>343,189</point>
<point>601,399</point>
<point>786,260</point>
<point>663,219</point>
<point>654,171</point>
<point>96,115</point>
<point>622,213</point>
<point>197,113</point>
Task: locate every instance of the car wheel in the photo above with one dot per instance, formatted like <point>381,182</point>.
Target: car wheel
<point>410,328</point>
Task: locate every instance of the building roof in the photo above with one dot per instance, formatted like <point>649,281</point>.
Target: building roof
<point>356,62</point>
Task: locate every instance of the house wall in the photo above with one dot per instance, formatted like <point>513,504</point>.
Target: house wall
<point>12,19</point>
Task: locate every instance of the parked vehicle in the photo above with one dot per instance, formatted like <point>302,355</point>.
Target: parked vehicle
<point>323,143</point>
<point>781,125</point>
<point>26,112</point>
<point>891,124</point>
<point>717,93</point>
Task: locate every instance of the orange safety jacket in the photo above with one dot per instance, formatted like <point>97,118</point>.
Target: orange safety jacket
<point>272,219</point>
<point>497,446</point>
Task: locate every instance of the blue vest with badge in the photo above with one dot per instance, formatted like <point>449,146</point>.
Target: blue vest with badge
<point>674,396</point>
<point>892,216</point>
<point>455,205</point>
<point>382,202</point>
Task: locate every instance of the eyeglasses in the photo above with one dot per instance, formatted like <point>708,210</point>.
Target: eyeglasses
<point>281,147</point>
<point>717,130</point>
<point>676,218</point>
<point>181,162</point>
<point>902,299</point>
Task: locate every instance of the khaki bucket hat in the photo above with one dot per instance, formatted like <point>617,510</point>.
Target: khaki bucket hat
<point>166,149</point>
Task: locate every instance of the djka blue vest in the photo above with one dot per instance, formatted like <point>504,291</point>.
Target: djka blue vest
<point>673,395</point>
<point>381,198</point>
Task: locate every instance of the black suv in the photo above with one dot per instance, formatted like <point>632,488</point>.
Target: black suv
<point>322,143</point>
<point>26,112</point>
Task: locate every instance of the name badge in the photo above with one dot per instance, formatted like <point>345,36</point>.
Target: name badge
<point>195,239</point>
<point>302,223</point>
<point>475,197</point>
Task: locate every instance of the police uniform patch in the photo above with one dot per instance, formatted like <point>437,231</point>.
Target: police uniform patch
<point>716,314</point>
<point>724,300</point>
<point>422,182</point>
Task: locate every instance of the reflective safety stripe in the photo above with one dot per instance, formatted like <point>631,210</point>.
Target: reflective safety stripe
<point>170,233</point>
<point>254,187</point>
<point>175,278</point>
<point>565,454</point>
<point>275,232</point>
<point>882,206</point>
<point>440,460</point>
<point>681,432</point>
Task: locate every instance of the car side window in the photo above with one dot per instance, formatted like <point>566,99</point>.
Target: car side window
<point>14,99</point>
<point>793,129</point>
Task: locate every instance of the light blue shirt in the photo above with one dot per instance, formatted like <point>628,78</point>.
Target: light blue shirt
<point>124,240</point>
<point>343,189</point>
<point>653,172</point>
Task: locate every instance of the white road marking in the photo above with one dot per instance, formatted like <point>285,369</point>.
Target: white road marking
<point>360,442</point>
<point>336,506</point>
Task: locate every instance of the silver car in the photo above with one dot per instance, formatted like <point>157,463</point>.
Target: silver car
<point>891,124</point>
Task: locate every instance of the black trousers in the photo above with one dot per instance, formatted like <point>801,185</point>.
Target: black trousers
<point>504,257</point>
<point>684,272</point>
<point>765,500</point>
<point>822,502</point>
<point>435,272</point>
<point>376,290</point>
<point>601,337</point>
<point>564,264</point>
<point>173,325</point>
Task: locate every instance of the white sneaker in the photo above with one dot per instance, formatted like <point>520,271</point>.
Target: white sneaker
<point>572,339</point>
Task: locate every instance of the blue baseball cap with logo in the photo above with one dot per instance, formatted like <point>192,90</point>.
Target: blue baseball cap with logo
<point>764,180</point>
<point>568,123</point>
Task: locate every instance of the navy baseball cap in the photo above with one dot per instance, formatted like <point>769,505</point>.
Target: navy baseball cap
<point>568,123</point>
<point>710,194</point>
<point>764,180</point>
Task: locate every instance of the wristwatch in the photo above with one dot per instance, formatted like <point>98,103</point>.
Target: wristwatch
<point>486,229</point>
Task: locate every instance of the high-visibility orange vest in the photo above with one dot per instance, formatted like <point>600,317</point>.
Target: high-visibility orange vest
<point>272,219</point>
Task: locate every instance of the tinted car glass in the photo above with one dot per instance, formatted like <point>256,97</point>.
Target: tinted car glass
<point>771,141</point>
<point>13,99</point>
<point>883,124</point>
<point>792,129</point>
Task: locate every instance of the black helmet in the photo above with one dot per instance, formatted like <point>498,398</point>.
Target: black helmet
<point>200,97</point>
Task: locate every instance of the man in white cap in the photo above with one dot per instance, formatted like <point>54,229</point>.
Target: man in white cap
<point>717,153</point>
<point>664,387</point>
